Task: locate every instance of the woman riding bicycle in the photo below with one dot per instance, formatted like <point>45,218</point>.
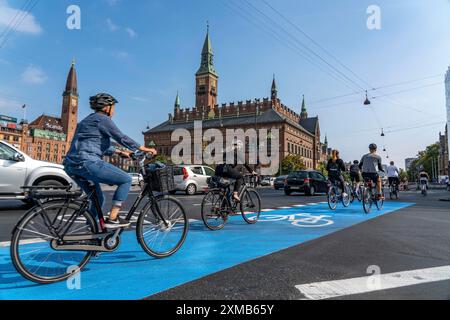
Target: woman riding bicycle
<point>229,169</point>
<point>84,161</point>
<point>335,168</point>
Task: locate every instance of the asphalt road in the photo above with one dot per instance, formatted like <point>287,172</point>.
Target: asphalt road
<point>412,238</point>
<point>12,211</point>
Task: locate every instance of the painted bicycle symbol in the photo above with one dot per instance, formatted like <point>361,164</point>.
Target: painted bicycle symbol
<point>302,220</point>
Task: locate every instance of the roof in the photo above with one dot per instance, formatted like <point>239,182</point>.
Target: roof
<point>45,122</point>
<point>310,124</point>
<point>269,116</point>
<point>207,64</point>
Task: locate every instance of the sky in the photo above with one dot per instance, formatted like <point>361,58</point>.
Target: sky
<point>144,51</point>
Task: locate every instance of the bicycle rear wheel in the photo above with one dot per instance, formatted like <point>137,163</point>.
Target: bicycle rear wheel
<point>162,238</point>
<point>214,209</point>
<point>251,206</point>
<point>346,200</point>
<point>31,251</point>
<point>367,200</point>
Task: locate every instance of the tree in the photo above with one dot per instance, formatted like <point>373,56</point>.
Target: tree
<point>292,163</point>
<point>424,159</point>
<point>322,168</point>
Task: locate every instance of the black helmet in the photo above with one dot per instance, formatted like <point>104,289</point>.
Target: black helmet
<point>101,100</point>
<point>356,162</point>
<point>373,146</point>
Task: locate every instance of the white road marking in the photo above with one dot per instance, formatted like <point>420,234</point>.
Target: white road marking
<point>197,204</point>
<point>267,210</point>
<point>299,205</point>
<point>284,207</point>
<point>340,288</point>
<point>30,241</point>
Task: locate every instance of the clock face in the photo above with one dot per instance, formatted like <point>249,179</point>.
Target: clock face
<point>202,81</point>
<point>74,103</point>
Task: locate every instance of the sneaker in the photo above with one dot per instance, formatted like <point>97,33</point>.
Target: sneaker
<point>116,224</point>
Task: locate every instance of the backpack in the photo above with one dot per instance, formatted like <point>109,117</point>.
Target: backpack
<point>354,169</point>
<point>333,169</point>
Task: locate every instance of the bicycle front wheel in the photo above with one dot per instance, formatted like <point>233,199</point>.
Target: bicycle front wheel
<point>251,206</point>
<point>332,198</point>
<point>162,227</point>
<point>31,244</point>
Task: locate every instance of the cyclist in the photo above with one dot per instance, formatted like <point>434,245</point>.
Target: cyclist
<point>92,141</point>
<point>424,178</point>
<point>370,164</point>
<point>230,170</point>
<point>335,168</point>
<point>393,175</point>
<point>355,174</point>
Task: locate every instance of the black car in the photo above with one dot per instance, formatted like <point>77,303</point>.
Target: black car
<point>279,182</point>
<point>308,182</point>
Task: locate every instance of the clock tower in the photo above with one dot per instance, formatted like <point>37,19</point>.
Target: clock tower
<point>69,112</point>
<point>206,79</point>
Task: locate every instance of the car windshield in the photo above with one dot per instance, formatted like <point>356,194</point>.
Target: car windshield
<point>299,175</point>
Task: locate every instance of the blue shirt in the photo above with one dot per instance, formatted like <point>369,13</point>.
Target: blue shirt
<point>92,139</point>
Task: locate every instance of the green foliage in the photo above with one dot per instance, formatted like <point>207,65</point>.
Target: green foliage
<point>292,163</point>
<point>424,159</point>
<point>322,168</point>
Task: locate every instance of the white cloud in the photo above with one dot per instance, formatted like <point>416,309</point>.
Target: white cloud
<point>111,25</point>
<point>34,75</point>
<point>28,25</point>
<point>121,55</point>
<point>131,32</point>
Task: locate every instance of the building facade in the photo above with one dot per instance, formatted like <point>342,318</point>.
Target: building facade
<point>299,133</point>
<point>48,137</point>
<point>443,160</point>
<point>447,95</point>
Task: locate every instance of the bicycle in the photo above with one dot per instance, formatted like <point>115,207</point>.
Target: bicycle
<point>424,187</point>
<point>58,237</point>
<point>217,205</point>
<point>394,190</point>
<point>371,196</point>
<point>335,195</point>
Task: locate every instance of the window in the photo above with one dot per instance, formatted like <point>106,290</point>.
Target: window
<point>6,153</point>
<point>197,170</point>
<point>209,172</point>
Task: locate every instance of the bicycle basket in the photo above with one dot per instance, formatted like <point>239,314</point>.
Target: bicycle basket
<point>160,179</point>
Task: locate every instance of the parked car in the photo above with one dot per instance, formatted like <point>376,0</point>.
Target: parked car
<point>18,169</point>
<point>192,178</point>
<point>135,178</point>
<point>308,182</point>
<point>279,182</point>
<point>267,181</point>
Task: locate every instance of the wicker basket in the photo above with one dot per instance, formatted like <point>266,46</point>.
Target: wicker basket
<point>161,179</point>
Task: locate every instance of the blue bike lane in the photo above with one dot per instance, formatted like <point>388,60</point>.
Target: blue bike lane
<point>129,273</point>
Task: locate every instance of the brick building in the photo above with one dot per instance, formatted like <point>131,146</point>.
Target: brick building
<point>48,137</point>
<point>299,133</point>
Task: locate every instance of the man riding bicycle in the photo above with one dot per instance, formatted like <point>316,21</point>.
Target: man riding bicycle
<point>393,175</point>
<point>84,161</point>
<point>229,170</point>
<point>370,164</point>
<point>336,167</point>
<point>424,178</point>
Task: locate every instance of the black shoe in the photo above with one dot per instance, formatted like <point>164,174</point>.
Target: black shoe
<point>116,224</point>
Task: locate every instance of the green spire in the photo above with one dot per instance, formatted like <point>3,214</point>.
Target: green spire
<point>207,64</point>
<point>303,104</point>
<point>177,101</point>
<point>274,91</point>
<point>326,140</point>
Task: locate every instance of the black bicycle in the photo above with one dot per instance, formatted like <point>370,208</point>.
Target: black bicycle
<point>371,196</point>
<point>394,190</point>
<point>218,204</point>
<point>57,237</point>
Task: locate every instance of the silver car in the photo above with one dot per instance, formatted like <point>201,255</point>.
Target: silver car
<point>192,178</point>
<point>18,170</point>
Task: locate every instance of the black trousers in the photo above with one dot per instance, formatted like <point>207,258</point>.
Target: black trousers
<point>339,179</point>
<point>227,171</point>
